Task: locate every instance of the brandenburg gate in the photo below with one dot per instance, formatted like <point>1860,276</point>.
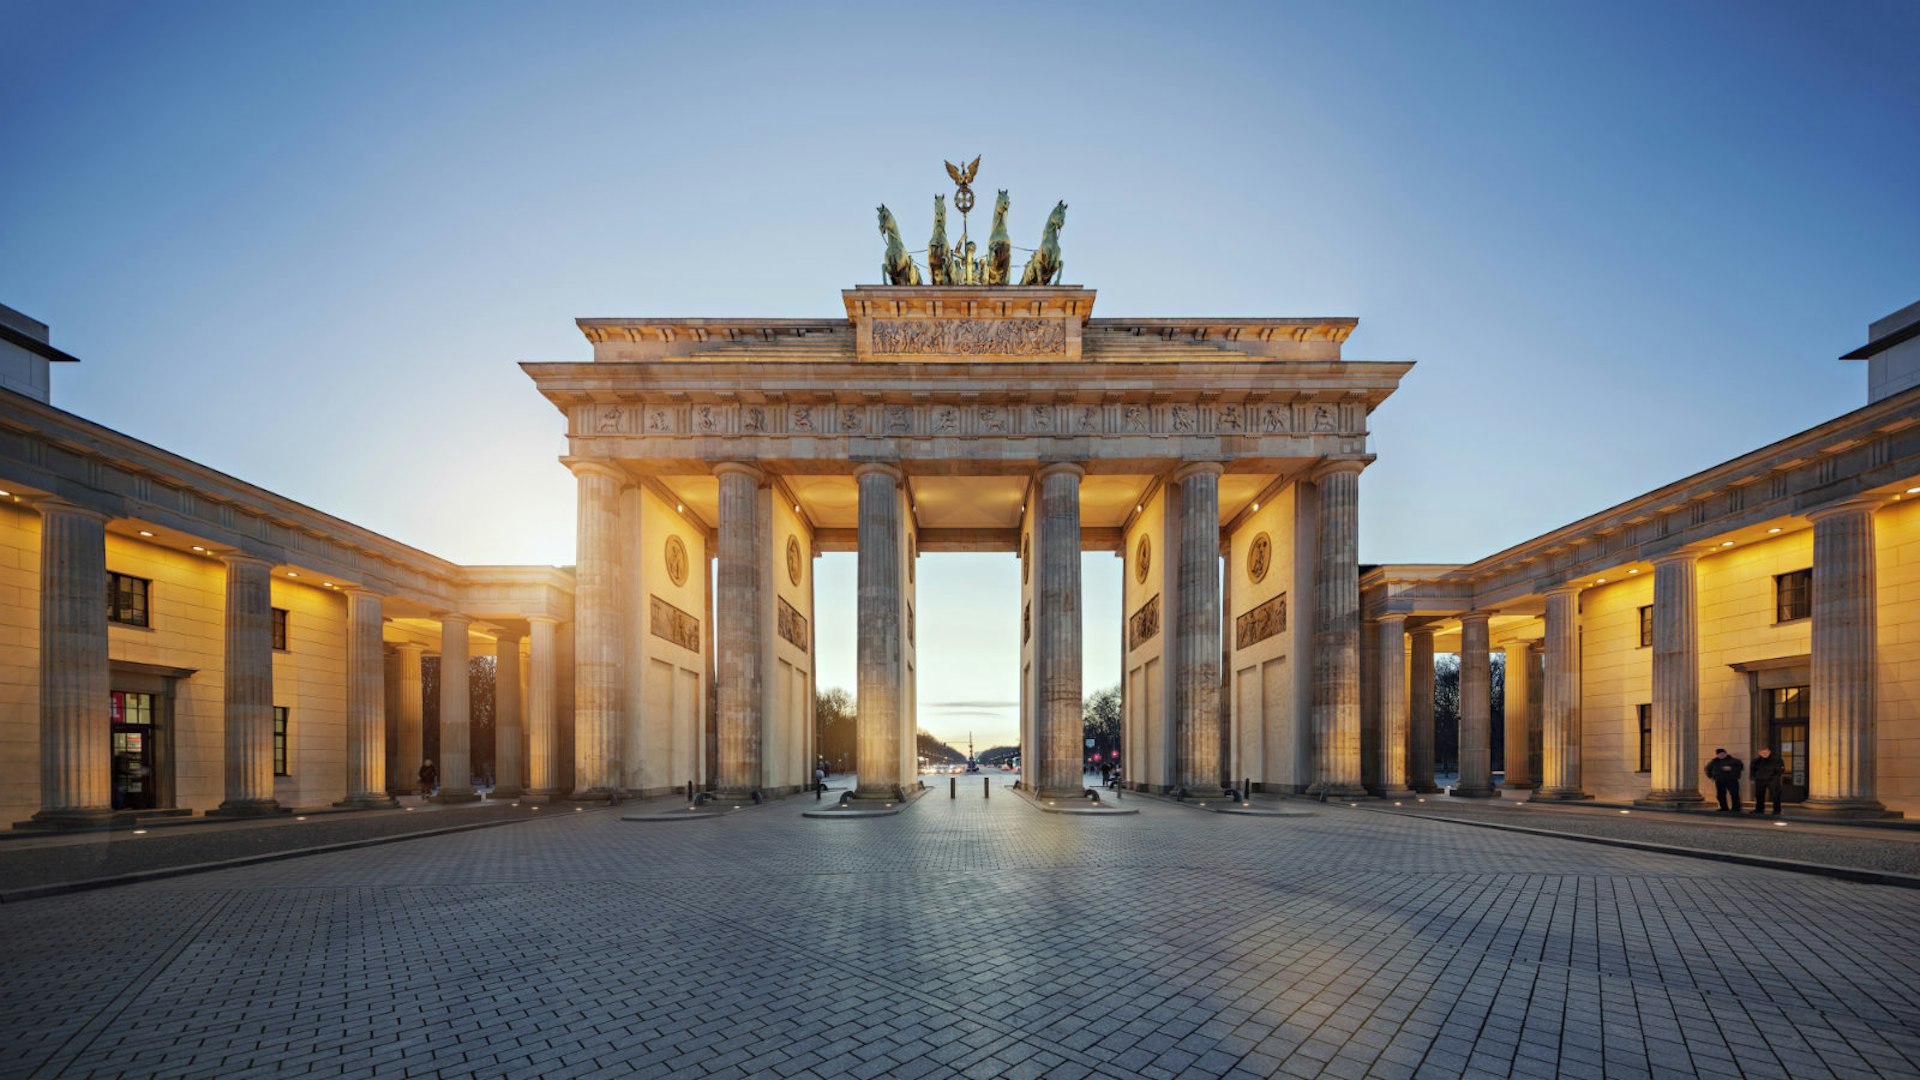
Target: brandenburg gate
<point>968,417</point>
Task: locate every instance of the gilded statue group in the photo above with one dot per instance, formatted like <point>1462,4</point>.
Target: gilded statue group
<point>957,263</point>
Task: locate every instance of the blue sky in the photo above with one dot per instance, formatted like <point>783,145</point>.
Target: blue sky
<point>306,244</point>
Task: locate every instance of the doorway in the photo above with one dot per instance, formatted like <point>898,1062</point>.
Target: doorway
<point>132,717</point>
<point>1787,718</point>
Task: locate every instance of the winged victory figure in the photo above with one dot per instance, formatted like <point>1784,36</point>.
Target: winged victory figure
<point>963,177</point>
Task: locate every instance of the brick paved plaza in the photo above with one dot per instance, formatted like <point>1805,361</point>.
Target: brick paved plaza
<point>977,937</point>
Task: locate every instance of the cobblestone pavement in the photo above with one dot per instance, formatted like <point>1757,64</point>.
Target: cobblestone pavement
<point>974,937</point>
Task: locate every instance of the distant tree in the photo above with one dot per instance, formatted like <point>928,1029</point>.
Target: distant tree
<point>932,749</point>
<point>835,726</point>
<point>1446,712</point>
<point>1000,755</point>
<point>1100,719</point>
<point>480,713</point>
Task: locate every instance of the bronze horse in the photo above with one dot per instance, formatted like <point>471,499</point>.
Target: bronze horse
<point>939,252</point>
<point>1046,264</point>
<point>896,266</point>
<point>999,245</point>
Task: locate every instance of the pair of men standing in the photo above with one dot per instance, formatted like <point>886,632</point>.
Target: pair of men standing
<point>1769,776</point>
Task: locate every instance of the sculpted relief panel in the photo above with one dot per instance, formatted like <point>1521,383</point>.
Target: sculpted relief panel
<point>970,337</point>
<point>974,418</point>
<point>669,622</point>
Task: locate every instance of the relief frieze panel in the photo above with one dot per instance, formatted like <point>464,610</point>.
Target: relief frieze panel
<point>1144,625</point>
<point>669,622</point>
<point>970,337</point>
<point>1261,623</point>
<point>974,419</point>
<point>793,625</point>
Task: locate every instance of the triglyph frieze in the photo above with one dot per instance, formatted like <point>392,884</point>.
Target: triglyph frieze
<point>973,419</point>
<point>969,337</point>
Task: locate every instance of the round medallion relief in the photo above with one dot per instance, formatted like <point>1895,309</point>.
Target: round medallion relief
<point>1142,560</point>
<point>676,560</point>
<point>1259,557</point>
<point>794,561</point>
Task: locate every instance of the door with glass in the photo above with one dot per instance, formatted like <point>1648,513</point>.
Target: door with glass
<point>131,716</point>
<point>1788,708</point>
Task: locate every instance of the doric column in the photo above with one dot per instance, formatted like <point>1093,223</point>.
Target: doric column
<point>249,687</point>
<point>1196,629</point>
<point>1393,706</point>
<point>881,667</point>
<point>543,746</point>
<point>1420,712</point>
<point>76,781</point>
<point>366,703</point>
<point>1514,706</point>
<point>597,635</point>
<point>407,720</point>
<point>456,712</point>
<point>1476,709</point>
<point>1336,617</point>
<point>1841,729</point>
<point>1676,683</point>
<point>506,716</point>
<point>737,626</point>
<point>1056,628</point>
<point>1560,699</point>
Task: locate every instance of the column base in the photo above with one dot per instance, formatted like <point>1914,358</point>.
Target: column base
<point>1397,793</point>
<point>506,792</point>
<point>1671,800</point>
<point>1547,794</point>
<point>1461,791</point>
<point>1856,809</point>
<point>540,796</point>
<point>1338,791</point>
<point>889,793</point>
<point>240,808</point>
<point>1517,785</point>
<point>1427,787</point>
<point>454,798</point>
<point>71,818</point>
<point>371,800</point>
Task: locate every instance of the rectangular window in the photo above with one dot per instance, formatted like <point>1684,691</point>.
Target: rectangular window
<point>1646,627</point>
<point>280,740</point>
<point>1646,737</point>
<point>127,599</point>
<point>280,629</point>
<point>1793,595</point>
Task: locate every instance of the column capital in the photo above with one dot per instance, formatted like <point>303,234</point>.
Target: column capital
<point>549,620</point>
<point>1474,616</point>
<point>1423,633</point>
<point>1197,468</point>
<point>506,636</point>
<point>1058,467</point>
<point>1571,588</point>
<point>1337,465</point>
<point>741,468</point>
<point>585,467</point>
<point>1859,504</point>
<point>58,505</point>
<point>1678,555</point>
<point>241,558</point>
<point>868,468</point>
<point>1391,618</point>
<point>447,617</point>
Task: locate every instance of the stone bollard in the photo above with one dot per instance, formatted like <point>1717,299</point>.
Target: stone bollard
<point>986,787</point>
<point>953,787</point>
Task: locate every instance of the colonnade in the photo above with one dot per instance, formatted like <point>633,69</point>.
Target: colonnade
<point>1842,721</point>
<point>75,758</point>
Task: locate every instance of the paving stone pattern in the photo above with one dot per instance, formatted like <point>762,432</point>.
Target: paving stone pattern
<point>970,937</point>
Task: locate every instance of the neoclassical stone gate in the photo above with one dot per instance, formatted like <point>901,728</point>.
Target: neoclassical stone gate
<point>968,418</point>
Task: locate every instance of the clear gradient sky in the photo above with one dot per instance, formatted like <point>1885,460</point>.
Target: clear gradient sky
<point>307,243</point>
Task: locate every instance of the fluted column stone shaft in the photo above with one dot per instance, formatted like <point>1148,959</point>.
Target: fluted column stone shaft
<point>881,668</point>
<point>1394,718</point>
<point>1336,615</point>
<point>1476,709</point>
<point>1196,631</point>
<point>507,783</point>
<point>1560,699</point>
<point>456,712</point>
<point>1514,707</point>
<point>366,703</point>
<point>737,625</point>
<point>1841,728</point>
<point>1676,682</point>
<point>76,778</point>
<point>249,687</point>
<point>409,709</point>
<point>1056,628</point>
<point>1420,712</point>
<point>598,640</point>
<point>543,742</point>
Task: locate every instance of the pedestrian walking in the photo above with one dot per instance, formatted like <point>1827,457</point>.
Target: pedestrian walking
<point>429,777</point>
<point>1768,774</point>
<point>1724,770</point>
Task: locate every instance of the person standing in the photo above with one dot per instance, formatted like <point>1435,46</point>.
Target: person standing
<point>429,778</point>
<point>1724,770</point>
<point>1768,773</point>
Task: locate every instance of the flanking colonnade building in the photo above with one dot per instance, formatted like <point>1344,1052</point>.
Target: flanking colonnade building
<point>177,640</point>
